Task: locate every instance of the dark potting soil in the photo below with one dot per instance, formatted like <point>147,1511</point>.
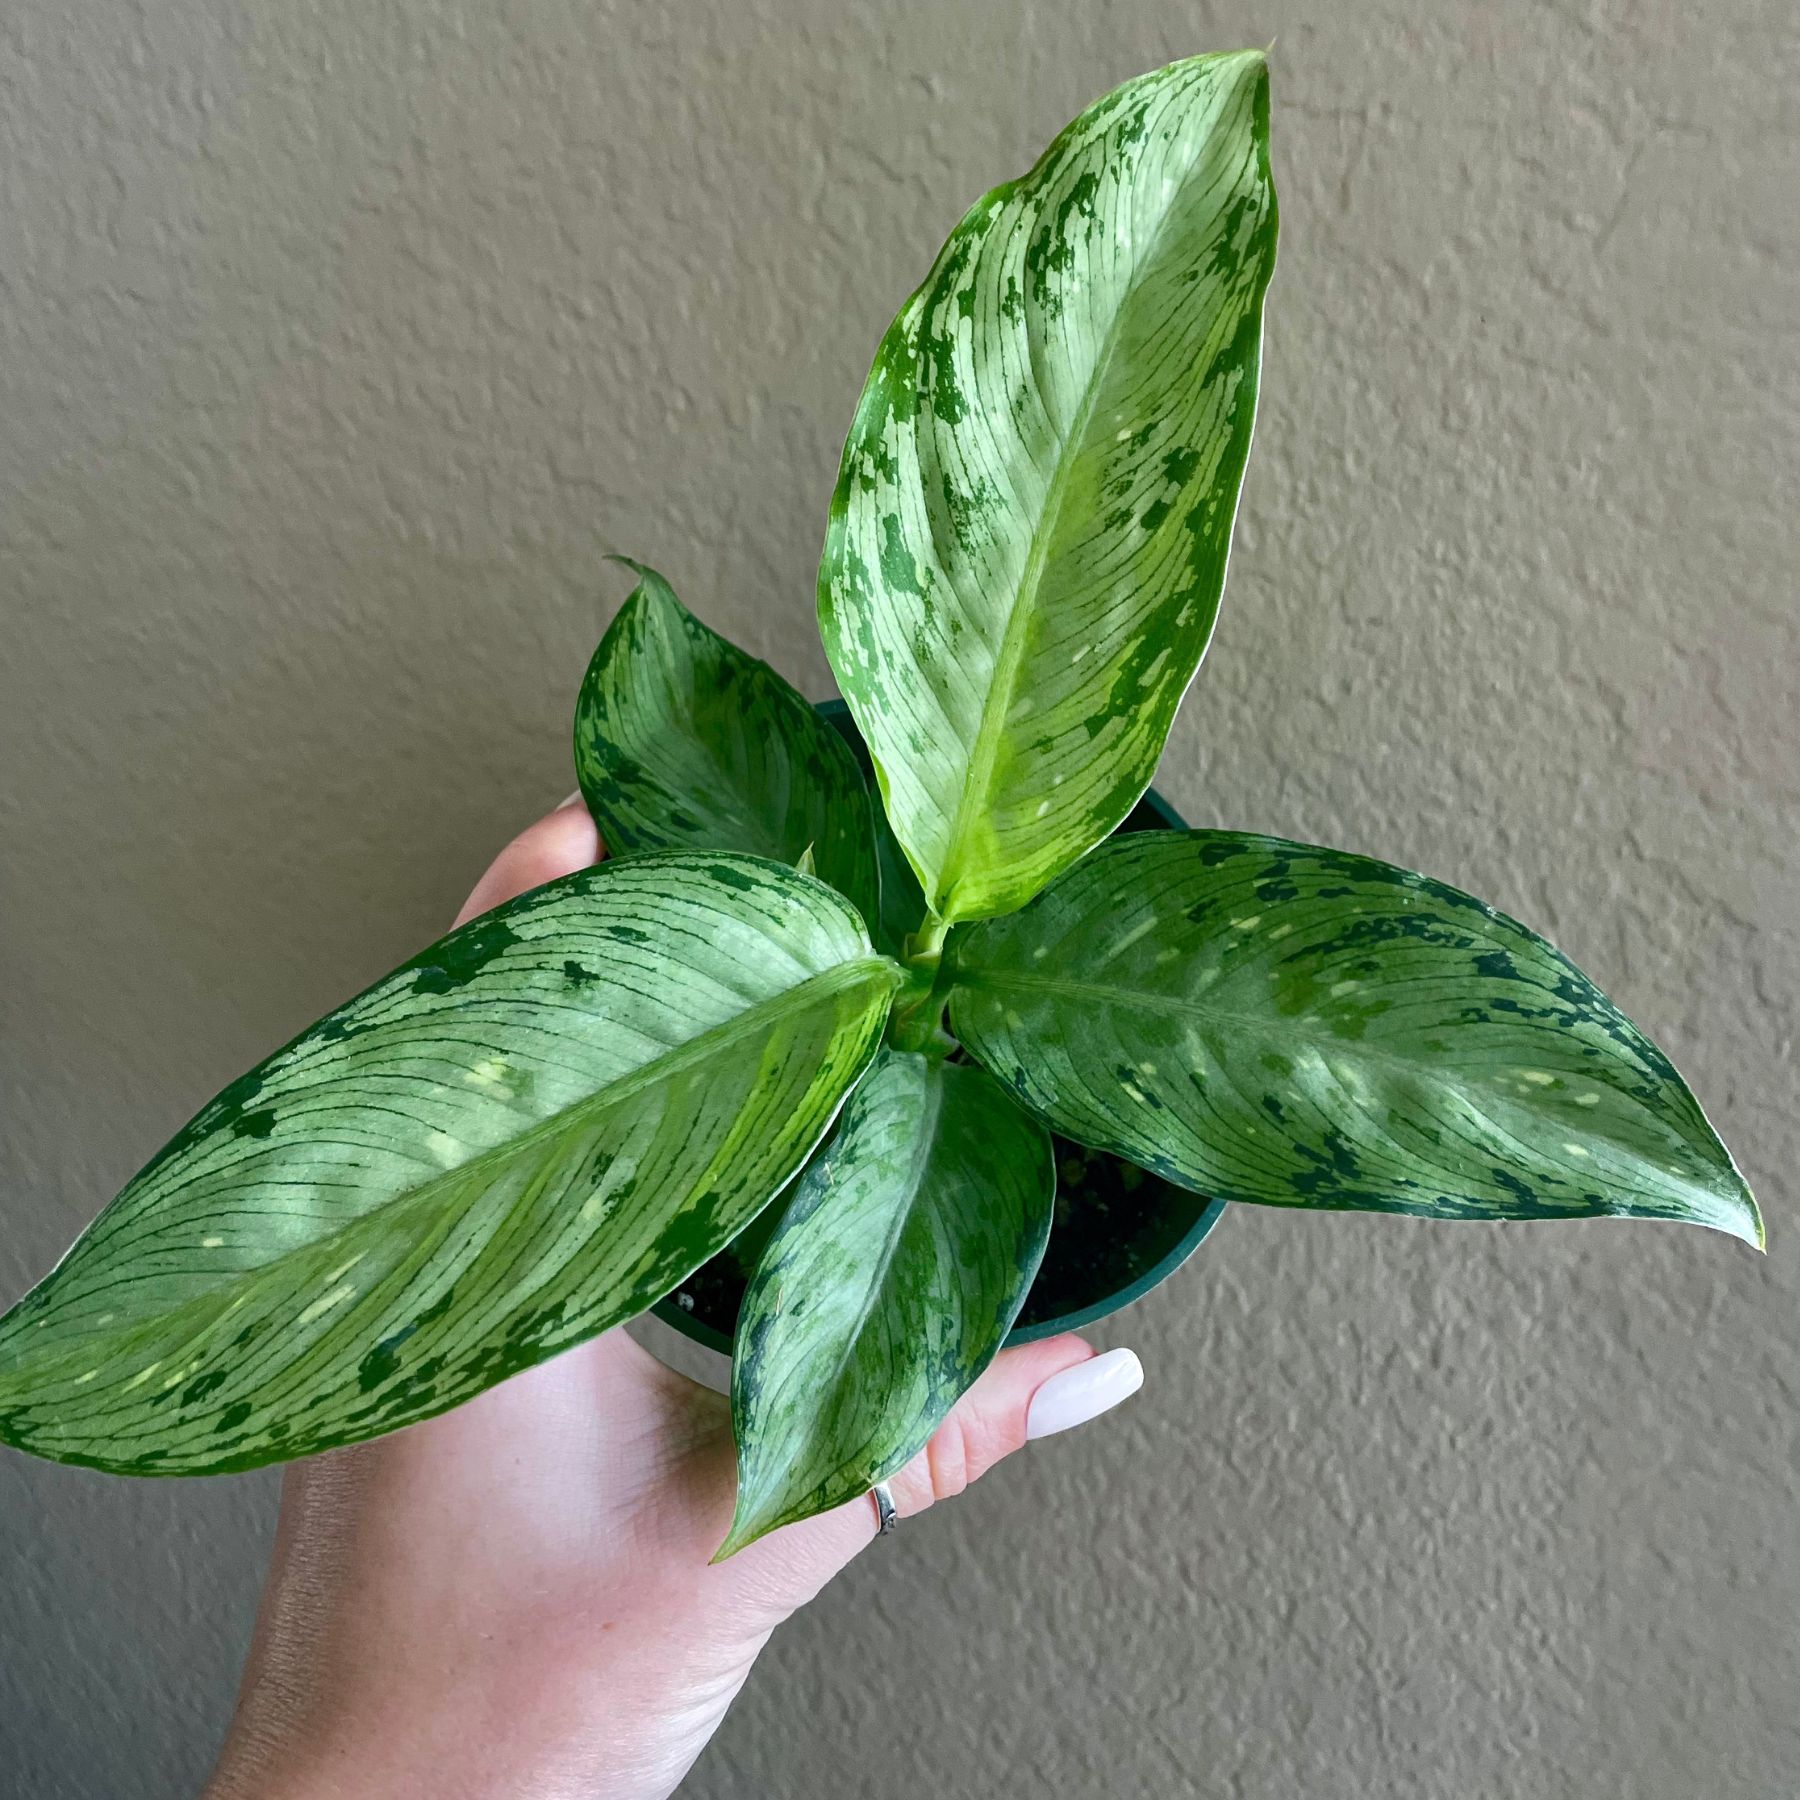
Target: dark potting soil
<point>1114,1221</point>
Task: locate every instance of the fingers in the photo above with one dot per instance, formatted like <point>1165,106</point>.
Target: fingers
<point>558,844</point>
<point>1029,1392</point>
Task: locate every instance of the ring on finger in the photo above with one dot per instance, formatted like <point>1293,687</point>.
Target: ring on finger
<point>886,1518</point>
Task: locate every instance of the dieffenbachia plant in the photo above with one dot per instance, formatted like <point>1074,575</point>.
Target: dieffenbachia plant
<point>876,1006</point>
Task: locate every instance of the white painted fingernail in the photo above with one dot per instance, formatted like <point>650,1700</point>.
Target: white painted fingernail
<point>1084,1392</point>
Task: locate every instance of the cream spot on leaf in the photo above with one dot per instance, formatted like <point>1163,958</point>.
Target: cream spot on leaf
<point>320,1307</point>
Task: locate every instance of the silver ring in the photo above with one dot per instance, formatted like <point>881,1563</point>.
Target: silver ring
<point>885,1516</point>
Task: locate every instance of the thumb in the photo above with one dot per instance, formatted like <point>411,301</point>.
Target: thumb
<point>1026,1393</point>
<point>558,844</point>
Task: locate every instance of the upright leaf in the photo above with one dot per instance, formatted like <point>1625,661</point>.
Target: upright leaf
<point>523,1136</point>
<point>891,1281</point>
<point>683,742</point>
<point>1271,1022</point>
<point>1029,534</point>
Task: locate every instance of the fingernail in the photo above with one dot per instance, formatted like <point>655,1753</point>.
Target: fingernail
<point>1084,1392</point>
<point>573,800</point>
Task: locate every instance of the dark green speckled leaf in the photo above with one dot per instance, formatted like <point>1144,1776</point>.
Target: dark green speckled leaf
<point>1028,539</point>
<point>902,901</point>
<point>1266,1021</point>
<point>889,1285</point>
<point>525,1135</point>
<point>683,742</point>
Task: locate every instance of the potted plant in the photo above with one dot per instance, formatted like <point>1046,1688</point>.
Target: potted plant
<point>874,1005</point>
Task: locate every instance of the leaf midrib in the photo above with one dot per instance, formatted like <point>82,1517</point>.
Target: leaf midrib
<point>1139,999</point>
<point>1356,1049</point>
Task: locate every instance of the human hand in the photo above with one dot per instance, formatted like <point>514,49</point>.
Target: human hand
<point>517,1597</point>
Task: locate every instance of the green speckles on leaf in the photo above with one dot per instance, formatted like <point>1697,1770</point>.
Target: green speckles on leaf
<point>1179,465</point>
<point>887,1288</point>
<point>1039,484</point>
<point>730,875</point>
<point>898,569</point>
<point>381,1363</point>
<point>594,1089</point>
<point>462,956</point>
<point>1271,1022</point>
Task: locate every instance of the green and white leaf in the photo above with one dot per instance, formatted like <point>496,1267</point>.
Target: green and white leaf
<point>1267,1021</point>
<point>525,1135</point>
<point>1029,535</point>
<point>684,742</point>
<point>892,1280</point>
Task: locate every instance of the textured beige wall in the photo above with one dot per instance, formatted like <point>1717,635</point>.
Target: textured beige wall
<point>338,342</point>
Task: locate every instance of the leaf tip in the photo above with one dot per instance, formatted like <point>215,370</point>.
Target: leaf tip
<point>1746,1220</point>
<point>1759,1242</point>
<point>651,584</point>
<point>743,1533</point>
<point>1743,1218</point>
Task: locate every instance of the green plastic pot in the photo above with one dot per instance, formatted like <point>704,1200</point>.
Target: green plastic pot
<point>1119,1231</point>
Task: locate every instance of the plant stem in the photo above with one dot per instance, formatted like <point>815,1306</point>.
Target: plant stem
<point>917,1020</point>
<point>926,944</point>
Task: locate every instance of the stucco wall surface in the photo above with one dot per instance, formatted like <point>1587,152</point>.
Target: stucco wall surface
<point>339,342</point>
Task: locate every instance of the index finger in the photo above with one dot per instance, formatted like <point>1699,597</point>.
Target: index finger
<point>558,844</point>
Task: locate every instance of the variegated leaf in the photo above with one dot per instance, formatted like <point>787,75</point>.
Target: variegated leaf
<point>523,1136</point>
<point>1266,1021</point>
<point>1028,539</point>
<point>682,741</point>
<point>890,1283</point>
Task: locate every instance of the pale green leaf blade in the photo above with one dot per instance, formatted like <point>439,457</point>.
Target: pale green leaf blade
<point>1029,535</point>
<point>890,1283</point>
<point>685,742</point>
<point>525,1135</point>
<point>1272,1022</point>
